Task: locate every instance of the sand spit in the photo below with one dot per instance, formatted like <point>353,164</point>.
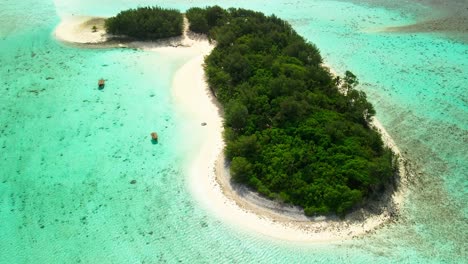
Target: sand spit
<point>79,29</point>
<point>208,172</point>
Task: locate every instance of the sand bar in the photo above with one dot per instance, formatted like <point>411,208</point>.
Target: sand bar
<point>79,29</point>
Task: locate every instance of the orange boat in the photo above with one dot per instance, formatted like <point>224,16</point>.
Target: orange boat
<point>101,83</point>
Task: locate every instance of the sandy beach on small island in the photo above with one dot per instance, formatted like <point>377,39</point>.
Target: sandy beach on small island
<point>79,29</point>
<point>208,173</point>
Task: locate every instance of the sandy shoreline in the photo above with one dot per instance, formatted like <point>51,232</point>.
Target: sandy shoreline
<point>79,29</point>
<point>208,175</point>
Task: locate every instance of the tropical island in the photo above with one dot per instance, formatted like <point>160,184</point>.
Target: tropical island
<point>290,132</point>
<point>294,133</point>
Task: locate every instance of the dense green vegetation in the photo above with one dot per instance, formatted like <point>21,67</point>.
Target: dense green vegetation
<point>149,23</point>
<point>290,133</point>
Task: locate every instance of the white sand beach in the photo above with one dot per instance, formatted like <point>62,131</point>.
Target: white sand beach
<point>79,29</point>
<point>208,176</point>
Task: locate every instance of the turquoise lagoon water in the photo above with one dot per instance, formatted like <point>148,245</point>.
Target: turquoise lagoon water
<point>69,152</point>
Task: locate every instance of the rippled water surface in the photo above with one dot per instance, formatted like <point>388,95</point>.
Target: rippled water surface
<point>81,182</point>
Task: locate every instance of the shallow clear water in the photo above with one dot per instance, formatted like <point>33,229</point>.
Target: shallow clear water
<point>69,151</point>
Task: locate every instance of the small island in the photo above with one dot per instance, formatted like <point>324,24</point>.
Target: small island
<point>293,132</point>
<point>300,145</point>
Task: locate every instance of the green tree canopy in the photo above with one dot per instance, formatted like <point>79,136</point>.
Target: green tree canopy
<point>148,23</point>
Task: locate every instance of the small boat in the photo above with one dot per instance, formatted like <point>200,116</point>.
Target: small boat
<point>154,136</point>
<point>101,83</point>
